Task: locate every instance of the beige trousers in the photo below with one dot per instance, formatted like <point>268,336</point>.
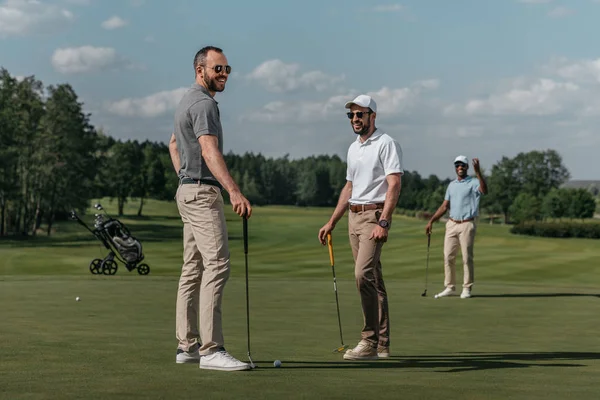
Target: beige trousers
<point>205,267</point>
<point>369,277</point>
<point>459,235</point>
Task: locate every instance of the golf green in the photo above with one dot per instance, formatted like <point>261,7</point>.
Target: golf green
<point>529,332</point>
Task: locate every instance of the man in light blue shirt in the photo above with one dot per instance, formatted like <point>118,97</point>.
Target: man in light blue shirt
<point>462,199</point>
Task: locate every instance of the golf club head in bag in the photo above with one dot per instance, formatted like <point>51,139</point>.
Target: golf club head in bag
<point>245,234</point>
<point>343,347</point>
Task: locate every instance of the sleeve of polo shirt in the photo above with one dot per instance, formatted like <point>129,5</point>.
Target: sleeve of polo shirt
<point>391,158</point>
<point>349,172</point>
<point>204,115</point>
<point>447,195</point>
<point>476,185</point>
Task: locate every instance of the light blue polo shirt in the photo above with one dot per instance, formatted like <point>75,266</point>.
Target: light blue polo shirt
<point>464,198</point>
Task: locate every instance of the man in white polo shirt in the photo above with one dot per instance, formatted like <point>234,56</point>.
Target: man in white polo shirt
<point>374,170</point>
<point>462,199</point>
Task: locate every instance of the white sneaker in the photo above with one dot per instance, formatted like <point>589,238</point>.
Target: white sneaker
<point>222,361</point>
<point>466,293</point>
<point>184,357</point>
<point>445,293</point>
<point>363,351</point>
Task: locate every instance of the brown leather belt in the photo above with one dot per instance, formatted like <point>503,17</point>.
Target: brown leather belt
<point>461,221</point>
<point>365,207</point>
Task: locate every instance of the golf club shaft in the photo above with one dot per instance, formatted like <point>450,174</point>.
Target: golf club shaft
<point>337,302</point>
<point>245,234</point>
<point>427,266</point>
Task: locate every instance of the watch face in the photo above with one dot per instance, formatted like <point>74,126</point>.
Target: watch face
<point>383,223</point>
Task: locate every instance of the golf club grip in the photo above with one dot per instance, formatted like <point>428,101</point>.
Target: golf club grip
<point>428,239</point>
<point>330,246</point>
<point>245,223</point>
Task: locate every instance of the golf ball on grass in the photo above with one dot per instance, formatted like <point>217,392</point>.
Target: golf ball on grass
<point>77,298</point>
<point>277,364</point>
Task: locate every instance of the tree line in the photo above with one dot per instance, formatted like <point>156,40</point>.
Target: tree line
<point>52,160</point>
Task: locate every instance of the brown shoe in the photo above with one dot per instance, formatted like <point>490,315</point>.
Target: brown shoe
<point>363,351</point>
<point>383,351</point>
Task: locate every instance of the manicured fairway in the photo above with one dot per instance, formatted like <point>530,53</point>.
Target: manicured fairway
<point>530,332</point>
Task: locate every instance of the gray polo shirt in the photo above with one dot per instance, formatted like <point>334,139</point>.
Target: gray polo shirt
<point>197,114</point>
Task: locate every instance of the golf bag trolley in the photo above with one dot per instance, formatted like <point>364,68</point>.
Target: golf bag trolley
<point>119,242</point>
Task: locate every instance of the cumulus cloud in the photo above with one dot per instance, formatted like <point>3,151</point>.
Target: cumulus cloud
<point>154,105</point>
<point>278,76</point>
<point>24,17</point>
<point>114,22</point>
<point>581,71</point>
<point>72,60</point>
<point>389,101</point>
<point>540,97</point>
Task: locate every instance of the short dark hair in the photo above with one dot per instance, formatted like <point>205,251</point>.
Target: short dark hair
<point>200,57</point>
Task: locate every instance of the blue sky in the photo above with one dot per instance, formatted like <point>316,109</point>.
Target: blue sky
<point>482,78</point>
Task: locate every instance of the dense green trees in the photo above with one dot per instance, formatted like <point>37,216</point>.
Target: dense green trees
<point>53,160</point>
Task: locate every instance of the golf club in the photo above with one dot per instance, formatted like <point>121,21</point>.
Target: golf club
<point>343,347</point>
<point>245,224</point>
<point>424,294</point>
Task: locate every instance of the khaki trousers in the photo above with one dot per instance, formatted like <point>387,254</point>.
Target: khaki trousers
<point>459,235</point>
<point>205,267</point>
<point>369,277</point>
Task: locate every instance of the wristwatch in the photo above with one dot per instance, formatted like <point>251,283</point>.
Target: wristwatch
<point>384,223</point>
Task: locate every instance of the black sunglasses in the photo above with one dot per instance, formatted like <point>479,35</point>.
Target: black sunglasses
<point>459,164</point>
<point>359,114</point>
<point>219,68</point>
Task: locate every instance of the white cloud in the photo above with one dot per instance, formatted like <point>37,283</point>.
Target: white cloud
<point>72,60</point>
<point>541,97</point>
<point>582,71</point>
<point>278,76</point>
<point>389,8</point>
<point>23,17</point>
<point>393,101</point>
<point>560,12</point>
<point>150,106</point>
<point>389,101</point>
<point>114,22</point>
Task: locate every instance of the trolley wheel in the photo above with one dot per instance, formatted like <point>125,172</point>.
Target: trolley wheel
<point>143,269</point>
<point>109,267</point>
<point>95,266</point>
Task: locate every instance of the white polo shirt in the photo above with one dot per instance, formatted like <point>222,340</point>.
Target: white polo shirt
<point>368,165</point>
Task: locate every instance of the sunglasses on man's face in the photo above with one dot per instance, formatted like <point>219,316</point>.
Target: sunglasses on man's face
<point>359,114</point>
<point>219,68</point>
<point>459,164</point>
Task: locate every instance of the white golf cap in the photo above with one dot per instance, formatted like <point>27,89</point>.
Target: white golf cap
<point>462,159</point>
<point>364,101</point>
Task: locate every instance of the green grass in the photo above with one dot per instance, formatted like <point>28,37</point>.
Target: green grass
<point>530,332</point>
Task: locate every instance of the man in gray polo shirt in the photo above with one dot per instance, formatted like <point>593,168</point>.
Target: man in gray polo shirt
<point>196,149</point>
<point>462,199</point>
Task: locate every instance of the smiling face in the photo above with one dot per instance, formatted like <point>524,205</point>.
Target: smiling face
<point>362,119</point>
<point>214,72</point>
<point>461,169</point>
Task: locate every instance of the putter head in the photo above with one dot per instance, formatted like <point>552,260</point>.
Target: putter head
<point>424,294</point>
<point>341,349</point>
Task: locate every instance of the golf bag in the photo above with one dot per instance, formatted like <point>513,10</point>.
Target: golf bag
<point>119,242</point>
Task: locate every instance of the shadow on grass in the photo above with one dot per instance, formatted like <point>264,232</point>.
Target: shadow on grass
<point>529,295</point>
<point>456,363</point>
